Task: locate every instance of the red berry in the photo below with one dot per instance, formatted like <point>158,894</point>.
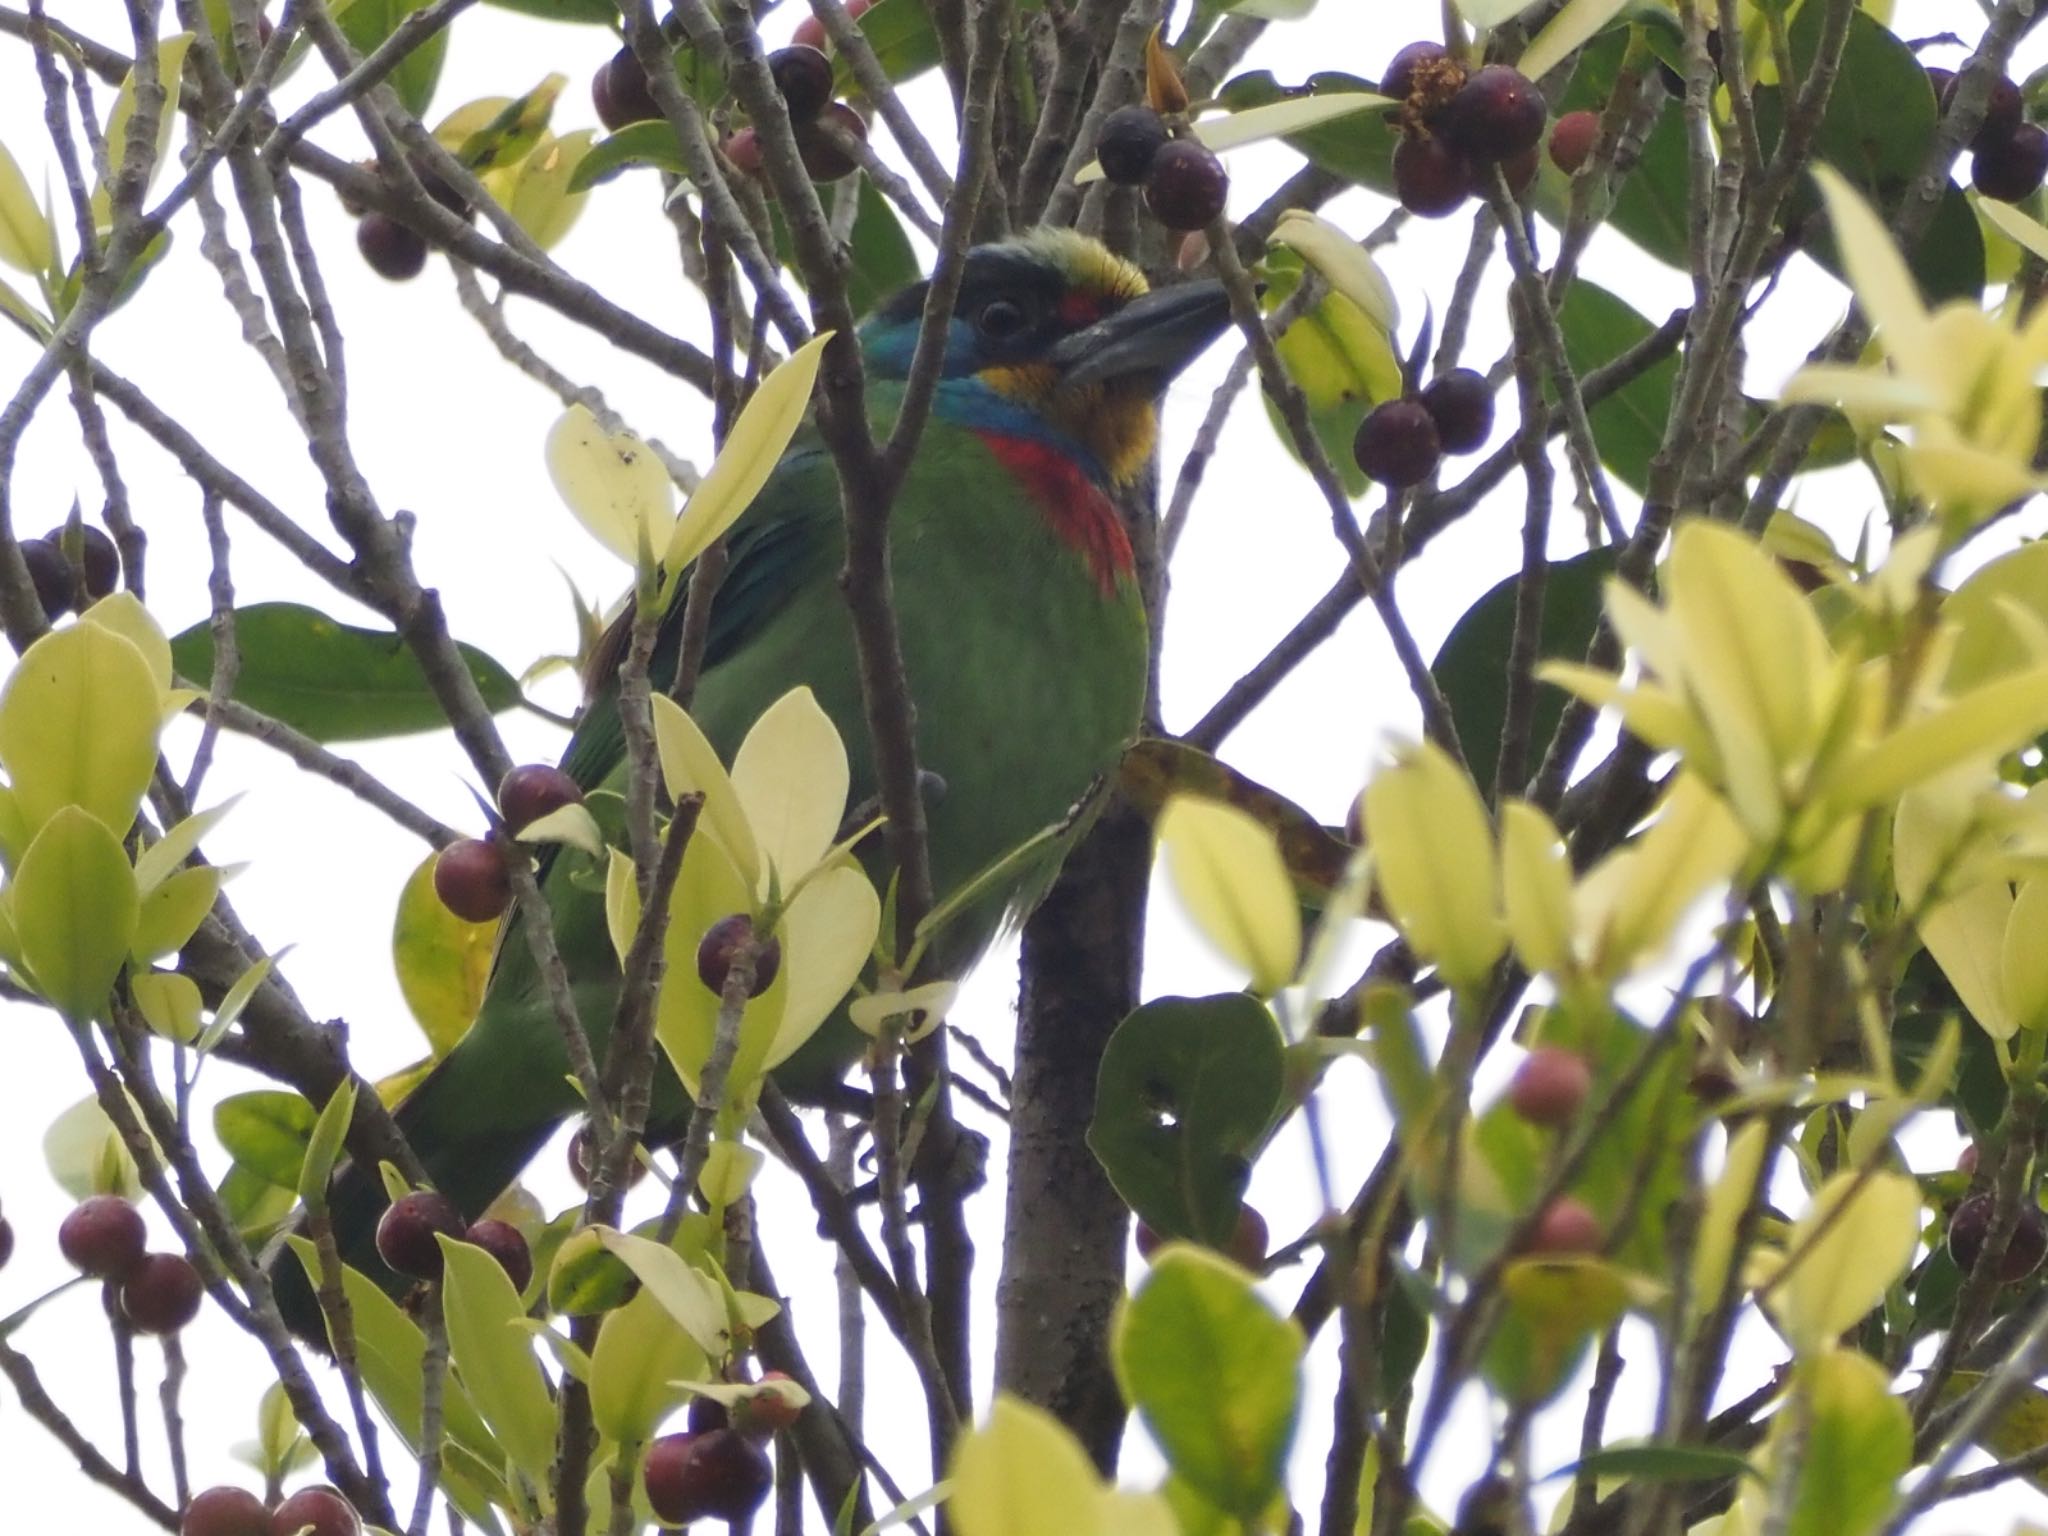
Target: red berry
<point>1565,1227</point>
<point>162,1294</point>
<point>720,946</point>
<point>743,149</point>
<point>1130,137</point>
<point>1460,402</point>
<point>763,1413</point>
<point>318,1511</point>
<point>534,790</point>
<point>1397,443</point>
<point>1551,1086</point>
<point>1186,187</point>
<point>1969,1233</point>
<point>225,1511</point>
<point>104,1237</point>
<point>2011,168</point>
<point>821,154</point>
<point>1571,140</point>
<point>1411,66</point>
<point>720,1473</point>
<point>405,1235</point>
<point>507,1244</point>
<point>621,93</point>
<point>471,880</point>
<point>1966,1161</point>
<point>1495,116</point>
<point>1248,1238</point>
<point>51,574</point>
<point>804,77</point>
<point>390,248</point>
<point>1429,178</point>
<point>583,1157</point>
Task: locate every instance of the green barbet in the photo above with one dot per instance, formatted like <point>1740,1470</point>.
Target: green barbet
<point>1023,637</point>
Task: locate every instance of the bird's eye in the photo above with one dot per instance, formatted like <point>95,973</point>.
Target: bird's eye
<point>1001,319</point>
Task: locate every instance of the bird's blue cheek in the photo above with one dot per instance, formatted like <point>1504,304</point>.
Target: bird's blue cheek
<point>889,352</point>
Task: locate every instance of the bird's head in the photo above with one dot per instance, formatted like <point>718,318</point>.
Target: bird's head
<point>1055,325</point>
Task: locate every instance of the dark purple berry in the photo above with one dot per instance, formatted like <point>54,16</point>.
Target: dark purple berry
<point>1460,402</point>
<point>104,1237</point>
<point>162,1294</point>
<point>51,573</point>
<point>583,1158</point>
<point>1429,178</point>
<point>505,1243</point>
<point>621,93</point>
<point>390,248</point>
<point>1496,115</point>
<point>823,158</point>
<point>721,1474</point>
<point>2012,169</point>
<point>1131,136</point>
<point>533,790</point>
<point>1187,185</point>
<point>322,1509</point>
<point>2002,113</point>
<point>720,946</point>
<point>804,77</point>
<point>706,1414</point>
<point>225,1511</point>
<point>1397,443</point>
<point>1412,66</point>
<point>1571,140</point>
<point>405,1235</point>
<point>1520,171</point>
<point>1969,1233</point>
<point>471,880</point>
<point>97,557</point>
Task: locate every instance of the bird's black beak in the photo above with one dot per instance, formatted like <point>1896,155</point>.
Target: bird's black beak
<point>1149,340</point>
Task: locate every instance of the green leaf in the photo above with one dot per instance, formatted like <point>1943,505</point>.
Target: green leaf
<point>689,1296</point>
<point>330,680</point>
<point>172,912</point>
<point>74,909</point>
<point>905,41</point>
<point>78,727</point>
<point>883,260</point>
<point>495,1355</point>
<point>1554,1307</point>
<point>1214,1373</point>
<point>1342,360</point>
<point>366,23</point>
<point>601,13</point>
<point>651,143</point>
<point>266,1132</point>
<point>442,962</point>
<point>170,1004</point>
<point>1188,1089</point>
<point>641,1354</point>
<point>81,1148</point>
<point>1471,667</point>
<point>1859,1446</point>
<point>26,242</point>
<point>390,1350</point>
<point>1628,425</point>
<point>324,1145</point>
<point>1661,1464</point>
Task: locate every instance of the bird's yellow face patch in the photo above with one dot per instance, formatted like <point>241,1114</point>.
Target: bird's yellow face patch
<point>1117,426</point>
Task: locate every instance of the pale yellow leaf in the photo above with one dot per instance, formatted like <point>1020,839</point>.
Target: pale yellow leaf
<point>1433,856</point>
<point>2024,957</point>
<point>621,902</point>
<point>828,933</point>
<point>752,450</point>
<point>690,765</point>
<point>614,484</point>
<point>1878,273</point>
<point>2013,224</point>
<point>571,824</point>
<point>1228,871</point>
<point>791,777</point>
<point>1630,902</point>
<point>1864,392</point>
<point>1344,264</point>
<point>171,850</point>
<point>170,1004</point>
<point>688,1295</point>
<point>1713,1248</point>
<point>123,613</point>
<point>26,242</point>
<point>78,726</point>
<point>1023,1474</point>
<point>1564,33</point>
<point>729,1171</point>
<point>919,1010</point>
<point>170,62</point>
<point>1999,717</point>
<point>1536,888</point>
<point>1843,1260</point>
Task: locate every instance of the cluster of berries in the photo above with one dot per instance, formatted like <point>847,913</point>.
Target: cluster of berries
<point>803,74</point>
<point>105,1237</point>
<point>1969,1230</point>
<point>1185,184</point>
<point>1549,1090</point>
<point>1400,441</point>
<point>231,1511</point>
<point>1456,122</point>
<point>69,575</point>
<point>2009,155</point>
<point>406,1238</point>
<point>395,250</point>
<point>716,1468</point>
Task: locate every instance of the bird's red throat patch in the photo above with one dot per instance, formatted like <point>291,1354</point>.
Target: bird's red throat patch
<point>1074,505</point>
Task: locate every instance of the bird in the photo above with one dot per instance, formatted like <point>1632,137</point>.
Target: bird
<point>1022,629</point>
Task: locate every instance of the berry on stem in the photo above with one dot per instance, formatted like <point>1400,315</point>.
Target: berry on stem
<point>1496,115</point>
<point>405,1234</point>
<point>507,1244</point>
<point>104,1237</point>
<point>162,1293</point>
<point>471,880</point>
<point>763,1413</point>
<point>1415,65</point>
<point>1130,137</point>
<point>319,1511</point>
<point>1551,1086</point>
<point>822,156</point>
<point>1572,139</point>
<point>620,92</point>
<point>97,558</point>
<point>804,77</point>
<point>720,946</point>
<point>1969,1234</point>
<point>720,1473</point>
<point>1248,1239</point>
<point>1567,1226</point>
<point>706,1414</point>
<point>1397,443</point>
<point>1460,402</point>
<point>51,573</point>
<point>1186,187</point>
<point>810,32</point>
<point>583,1153</point>
<point>225,1511</point>
<point>1430,178</point>
<point>534,790</point>
<point>391,249</point>
<point>2011,169</point>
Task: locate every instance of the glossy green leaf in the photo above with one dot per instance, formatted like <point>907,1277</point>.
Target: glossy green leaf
<point>366,23</point>
<point>170,1004</point>
<point>882,256</point>
<point>172,912</point>
<point>266,1131</point>
<point>600,13</point>
<point>332,681</point>
<point>1662,1464</point>
<point>1554,1309</point>
<point>1186,1094</point>
<point>650,143</point>
<point>1628,425</point>
<point>905,41</point>
<point>1471,667</point>
<point>324,1144</point>
<point>641,1354</point>
<point>1214,1373</point>
<point>442,962</point>
<point>74,910</point>
<point>78,726</point>
<point>495,1355</point>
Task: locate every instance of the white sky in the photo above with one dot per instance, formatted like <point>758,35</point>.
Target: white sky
<point>446,430</point>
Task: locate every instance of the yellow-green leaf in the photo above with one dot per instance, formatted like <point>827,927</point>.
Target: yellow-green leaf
<point>495,1355</point>
<point>752,450</point>
<point>85,1154</point>
<point>26,242</point>
<point>1536,888</point>
<point>123,613</point>
<point>2024,962</point>
<point>1023,1474</point>
<point>1883,283</point>
<point>1227,868</point>
<point>170,65</point>
<point>692,1298</point>
<point>1344,264</point>
<point>1858,1445</point>
<point>1998,717</point>
<point>541,202</point>
<point>828,933</point>
<point>170,1004</point>
<point>442,962</point>
<point>75,911</point>
<point>323,1147</point>
<point>1432,850</point>
<point>641,1353</point>
<point>1563,33</point>
<point>690,765</point>
<point>791,777</point>
<point>172,912</point>
<point>156,862</point>
<point>78,726</point>
<point>614,483</point>
<point>1856,1238</point>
